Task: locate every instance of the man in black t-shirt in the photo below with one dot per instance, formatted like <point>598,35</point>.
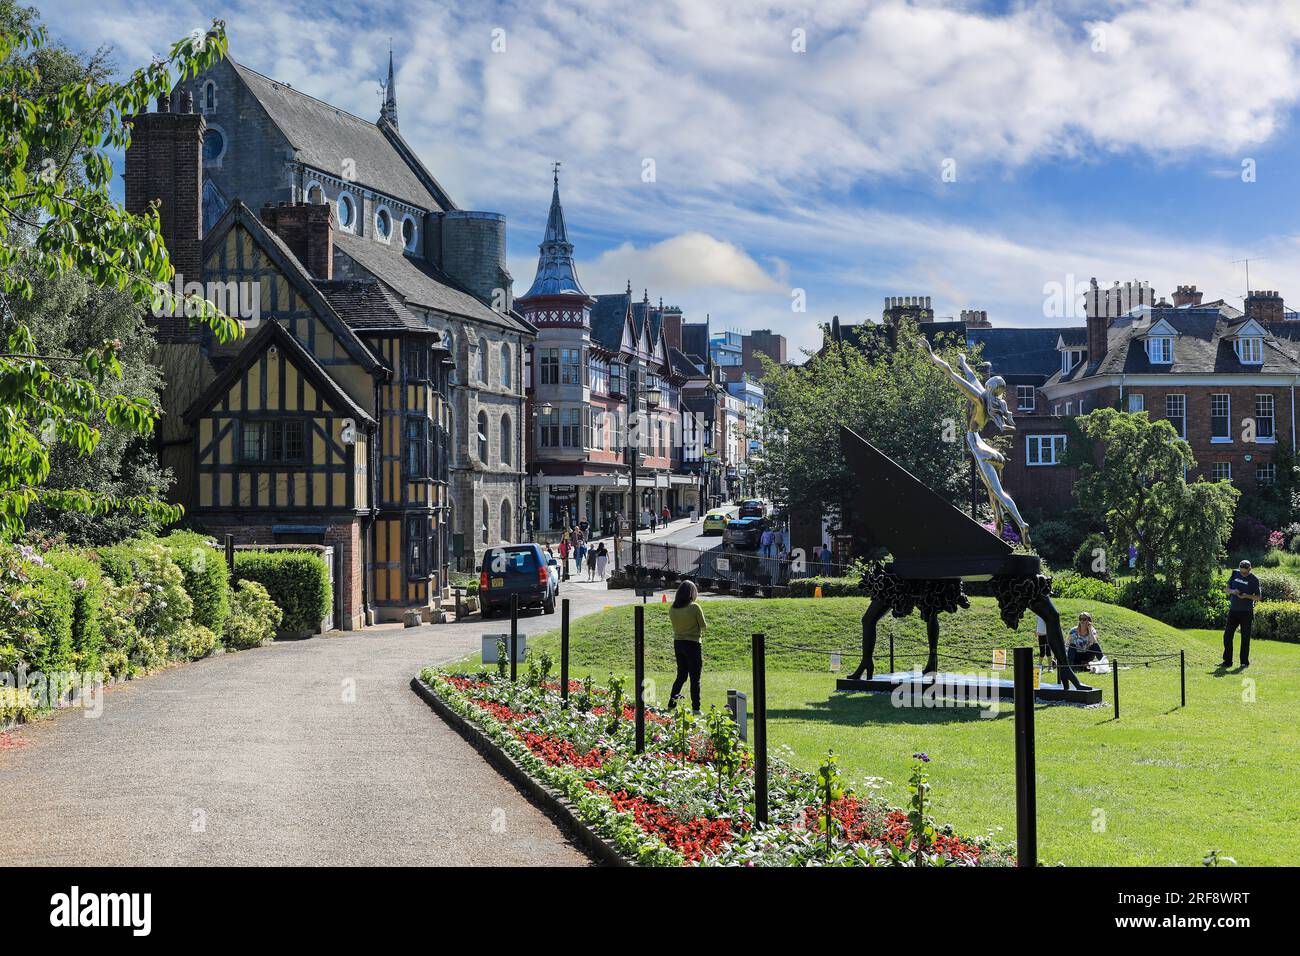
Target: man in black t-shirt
<point>1243,592</point>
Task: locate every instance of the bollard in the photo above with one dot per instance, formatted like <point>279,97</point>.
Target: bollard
<point>760,730</point>
<point>564,652</point>
<point>1182,675</point>
<point>1114,673</point>
<point>230,553</point>
<point>891,650</point>
<point>1026,796</point>
<point>458,614</point>
<point>639,650</point>
<point>514,637</point>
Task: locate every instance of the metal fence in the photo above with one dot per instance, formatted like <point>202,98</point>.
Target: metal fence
<point>721,564</point>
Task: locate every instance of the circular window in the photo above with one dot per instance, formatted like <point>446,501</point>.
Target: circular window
<point>408,232</point>
<point>384,223</point>
<point>214,144</point>
<point>347,212</point>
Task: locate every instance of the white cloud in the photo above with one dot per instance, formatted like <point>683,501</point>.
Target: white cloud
<point>690,261</point>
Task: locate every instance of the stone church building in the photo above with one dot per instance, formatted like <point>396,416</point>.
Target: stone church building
<point>267,143</point>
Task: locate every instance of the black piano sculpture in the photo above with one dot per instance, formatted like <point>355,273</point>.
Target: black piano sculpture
<point>935,547</point>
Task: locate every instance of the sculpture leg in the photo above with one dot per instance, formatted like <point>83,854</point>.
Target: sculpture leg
<point>1045,609</point>
<point>875,611</point>
<point>932,634</point>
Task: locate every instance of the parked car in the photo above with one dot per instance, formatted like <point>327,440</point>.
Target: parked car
<point>520,569</point>
<point>753,508</point>
<point>744,533</point>
<point>715,522</point>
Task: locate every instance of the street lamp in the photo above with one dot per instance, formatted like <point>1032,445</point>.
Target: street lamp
<point>653,396</point>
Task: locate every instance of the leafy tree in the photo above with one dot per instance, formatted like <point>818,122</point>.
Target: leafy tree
<point>891,396</point>
<point>1136,473</point>
<point>57,219</point>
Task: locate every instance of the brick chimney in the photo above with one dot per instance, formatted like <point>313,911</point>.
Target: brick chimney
<point>308,232</point>
<point>164,162</point>
<point>672,318</point>
<point>1187,295</point>
<point>1265,307</point>
<point>1096,306</point>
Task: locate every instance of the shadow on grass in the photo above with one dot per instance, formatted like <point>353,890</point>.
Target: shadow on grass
<point>864,710</point>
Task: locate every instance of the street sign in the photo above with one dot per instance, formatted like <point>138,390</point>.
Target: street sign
<point>724,564</point>
<point>999,658</point>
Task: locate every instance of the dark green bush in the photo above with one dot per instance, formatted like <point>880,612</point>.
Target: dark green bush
<point>1093,552</point>
<point>1152,597</point>
<point>1278,586</point>
<point>831,587</point>
<point>87,605</point>
<point>254,617</point>
<point>1056,540</point>
<point>297,581</point>
<point>1277,621</point>
<point>207,579</point>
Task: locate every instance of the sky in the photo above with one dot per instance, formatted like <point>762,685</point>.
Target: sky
<point>774,164</point>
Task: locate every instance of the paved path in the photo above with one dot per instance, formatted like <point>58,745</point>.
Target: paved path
<point>259,757</point>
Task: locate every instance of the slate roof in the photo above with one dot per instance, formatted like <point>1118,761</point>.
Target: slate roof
<point>679,363</point>
<point>607,318</point>
<point>1203,344</point>
<point>556,272</point>
<point>323,136</point>
<point>419,283</point>
<point>1020,352</point>
<point>369,305</point>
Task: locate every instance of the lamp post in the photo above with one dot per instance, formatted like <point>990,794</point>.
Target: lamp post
<point>652,398</point>
<point>541,412</point>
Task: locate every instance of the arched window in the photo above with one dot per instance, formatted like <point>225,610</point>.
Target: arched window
<point>482,437</point>
<point>315,194</point>
<point>209,96</point>
<point>506,370</point>
<point>505,520</point>
<point>483,531</point>
<point>505,440</point>
<point>483,362</point>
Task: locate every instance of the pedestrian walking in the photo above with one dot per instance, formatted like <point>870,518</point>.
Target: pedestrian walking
<point>688,622</point>
<point>580,552</point>
<point>602,559</point>
<point>653,521</point>
<point>1243,592</point>
<point>564,554</point>
<point>591,563</point>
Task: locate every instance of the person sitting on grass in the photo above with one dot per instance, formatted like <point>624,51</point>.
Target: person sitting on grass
<point>688,622</point>
<point>1084,647</point>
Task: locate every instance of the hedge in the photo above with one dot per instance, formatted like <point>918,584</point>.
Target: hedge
<point>88,597</point>
<point>297,581</point>
<point>207,579</point>
<point>1070,584</point>
<point>44,637</point>
<point>1277,621</point>
<point>831,587</point>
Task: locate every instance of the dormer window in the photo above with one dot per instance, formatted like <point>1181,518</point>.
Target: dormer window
<point>1160,350</point>
<point>1069,359</point>
<point>1250,349</point>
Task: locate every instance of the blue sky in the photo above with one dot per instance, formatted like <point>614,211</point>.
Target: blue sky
<point>805,146</point>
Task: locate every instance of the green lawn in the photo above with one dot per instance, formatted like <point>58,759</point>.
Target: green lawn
<point>1160,786</point>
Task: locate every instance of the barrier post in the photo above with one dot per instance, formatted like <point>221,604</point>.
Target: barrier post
<point>891,650</point>
<point>514,637</point>
<point>1182,675</point>
<point>1114,673</point>
<point>564,652</point>
<point>459,617</point>
<point>1026,796</point>
<point>230,553</point>
<point>760,730</point>
<point>639,649</point>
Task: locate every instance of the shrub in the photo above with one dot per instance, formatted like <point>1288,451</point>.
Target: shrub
<point>207,579</point>
<point>1278,586</point>
<point>1071,585</point>
<point>1086,557</point>
<point>1153,597</point>
<point>1206,608</point>
<point>1249,533</point>
<point>87,605</point>
<point>150,597</point>
<point>194,642</point>
<point>831,587</point>
<point>1056,540</point>
<point>35,616</point>
<point>254,617</point>
<point>1277,621</point>
<point>297,581</point>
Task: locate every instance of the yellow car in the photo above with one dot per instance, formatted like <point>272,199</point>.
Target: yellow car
<point>716,522</point>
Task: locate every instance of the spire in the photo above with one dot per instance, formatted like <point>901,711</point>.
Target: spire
<point>389,112</point>
<point>556,272</point>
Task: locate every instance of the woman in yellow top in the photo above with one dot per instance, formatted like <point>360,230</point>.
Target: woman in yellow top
<point>688,623</point>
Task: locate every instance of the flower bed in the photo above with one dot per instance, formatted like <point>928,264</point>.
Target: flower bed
<point>689,799</point>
